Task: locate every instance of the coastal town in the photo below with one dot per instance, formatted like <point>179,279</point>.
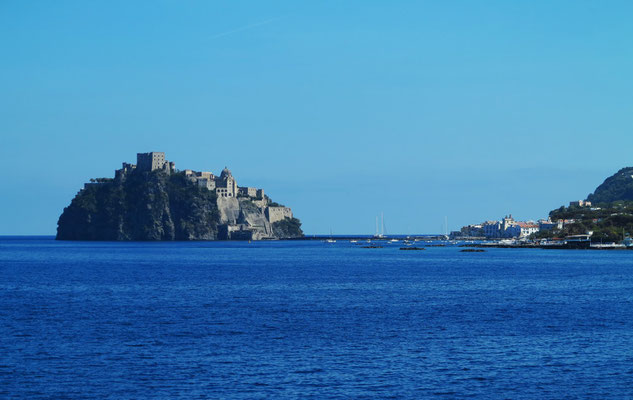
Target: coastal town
<point>509,228</point>
<point>581,227</point>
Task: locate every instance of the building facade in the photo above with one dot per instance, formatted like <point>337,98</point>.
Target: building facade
<point>153,161</point>
<point>472,231</point>
<point>526,229</point>
<point>547,224</point>
<point>491,229</point>
<point>508,228</point>
<point>225,185</point>
<point>146,162</point>
<point>580,203</point>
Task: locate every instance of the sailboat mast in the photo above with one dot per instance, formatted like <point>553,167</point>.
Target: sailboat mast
<point>382,217</point>
<point>377,225</point>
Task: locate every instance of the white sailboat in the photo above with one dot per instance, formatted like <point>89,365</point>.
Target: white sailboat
<point>330,240</point>
<point>446,236</point>
<point>381,234</point>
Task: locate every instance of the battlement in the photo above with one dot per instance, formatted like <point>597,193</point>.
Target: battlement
<point>251,192</point>
<point>152,161</point>
<point>275,214</point>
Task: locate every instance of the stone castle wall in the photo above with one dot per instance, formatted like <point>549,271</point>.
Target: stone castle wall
<point>275,214</point>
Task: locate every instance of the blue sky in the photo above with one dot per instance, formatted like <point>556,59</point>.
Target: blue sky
<point>342,110</point>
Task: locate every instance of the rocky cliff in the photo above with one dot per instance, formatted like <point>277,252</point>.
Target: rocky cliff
<point>242,219</point>
<point>144,206</point>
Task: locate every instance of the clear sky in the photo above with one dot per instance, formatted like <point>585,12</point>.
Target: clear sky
<point>340,109</point>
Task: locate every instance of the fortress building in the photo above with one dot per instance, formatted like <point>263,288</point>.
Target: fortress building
<point>224,185</point>
<point>245,212</point>
<point>153,161</point>
<point>147,162</point>
<point>275,214</point>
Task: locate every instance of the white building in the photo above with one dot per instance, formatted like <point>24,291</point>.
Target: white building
<point>509,228</point>
<point>527,228</point>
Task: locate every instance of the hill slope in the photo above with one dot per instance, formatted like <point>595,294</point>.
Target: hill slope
<point>618,187</point>
<point>144,206</point>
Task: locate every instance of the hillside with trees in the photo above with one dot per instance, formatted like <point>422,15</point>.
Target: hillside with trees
<point>145,206</point>
<point>618,187</point>
<point>609,222</point>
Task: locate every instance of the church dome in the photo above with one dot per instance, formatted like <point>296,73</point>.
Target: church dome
<point>225,173</point>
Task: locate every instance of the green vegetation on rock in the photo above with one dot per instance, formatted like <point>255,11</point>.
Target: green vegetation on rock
<point>609,218</point>
<point>618,187</point>
<point>287,228</point>
<point>143,206</point>
<point>609,222</point>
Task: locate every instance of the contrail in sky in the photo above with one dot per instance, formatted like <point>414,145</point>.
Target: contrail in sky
<point>244,28</point>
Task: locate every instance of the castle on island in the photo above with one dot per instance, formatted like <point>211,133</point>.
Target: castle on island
<point>224,185</point>
<point>236,219</point>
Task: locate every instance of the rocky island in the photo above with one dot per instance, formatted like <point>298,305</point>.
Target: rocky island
<point>151,200</point>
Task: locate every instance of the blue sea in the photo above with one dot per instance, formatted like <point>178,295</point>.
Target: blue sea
<point>311,320</point>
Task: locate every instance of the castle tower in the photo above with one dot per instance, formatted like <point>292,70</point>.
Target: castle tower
<point>150,161</point>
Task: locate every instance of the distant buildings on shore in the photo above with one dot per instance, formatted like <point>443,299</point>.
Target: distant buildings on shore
<point>508,227</point>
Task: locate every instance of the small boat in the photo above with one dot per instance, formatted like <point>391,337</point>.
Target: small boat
<point>330,240</point>
<point>353,241</point>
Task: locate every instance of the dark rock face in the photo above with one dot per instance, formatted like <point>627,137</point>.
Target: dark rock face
<point>143,206</point>
<point>287,228</point>
<point>617,187</point>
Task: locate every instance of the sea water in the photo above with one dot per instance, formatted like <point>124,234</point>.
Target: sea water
<point>306,319</point>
